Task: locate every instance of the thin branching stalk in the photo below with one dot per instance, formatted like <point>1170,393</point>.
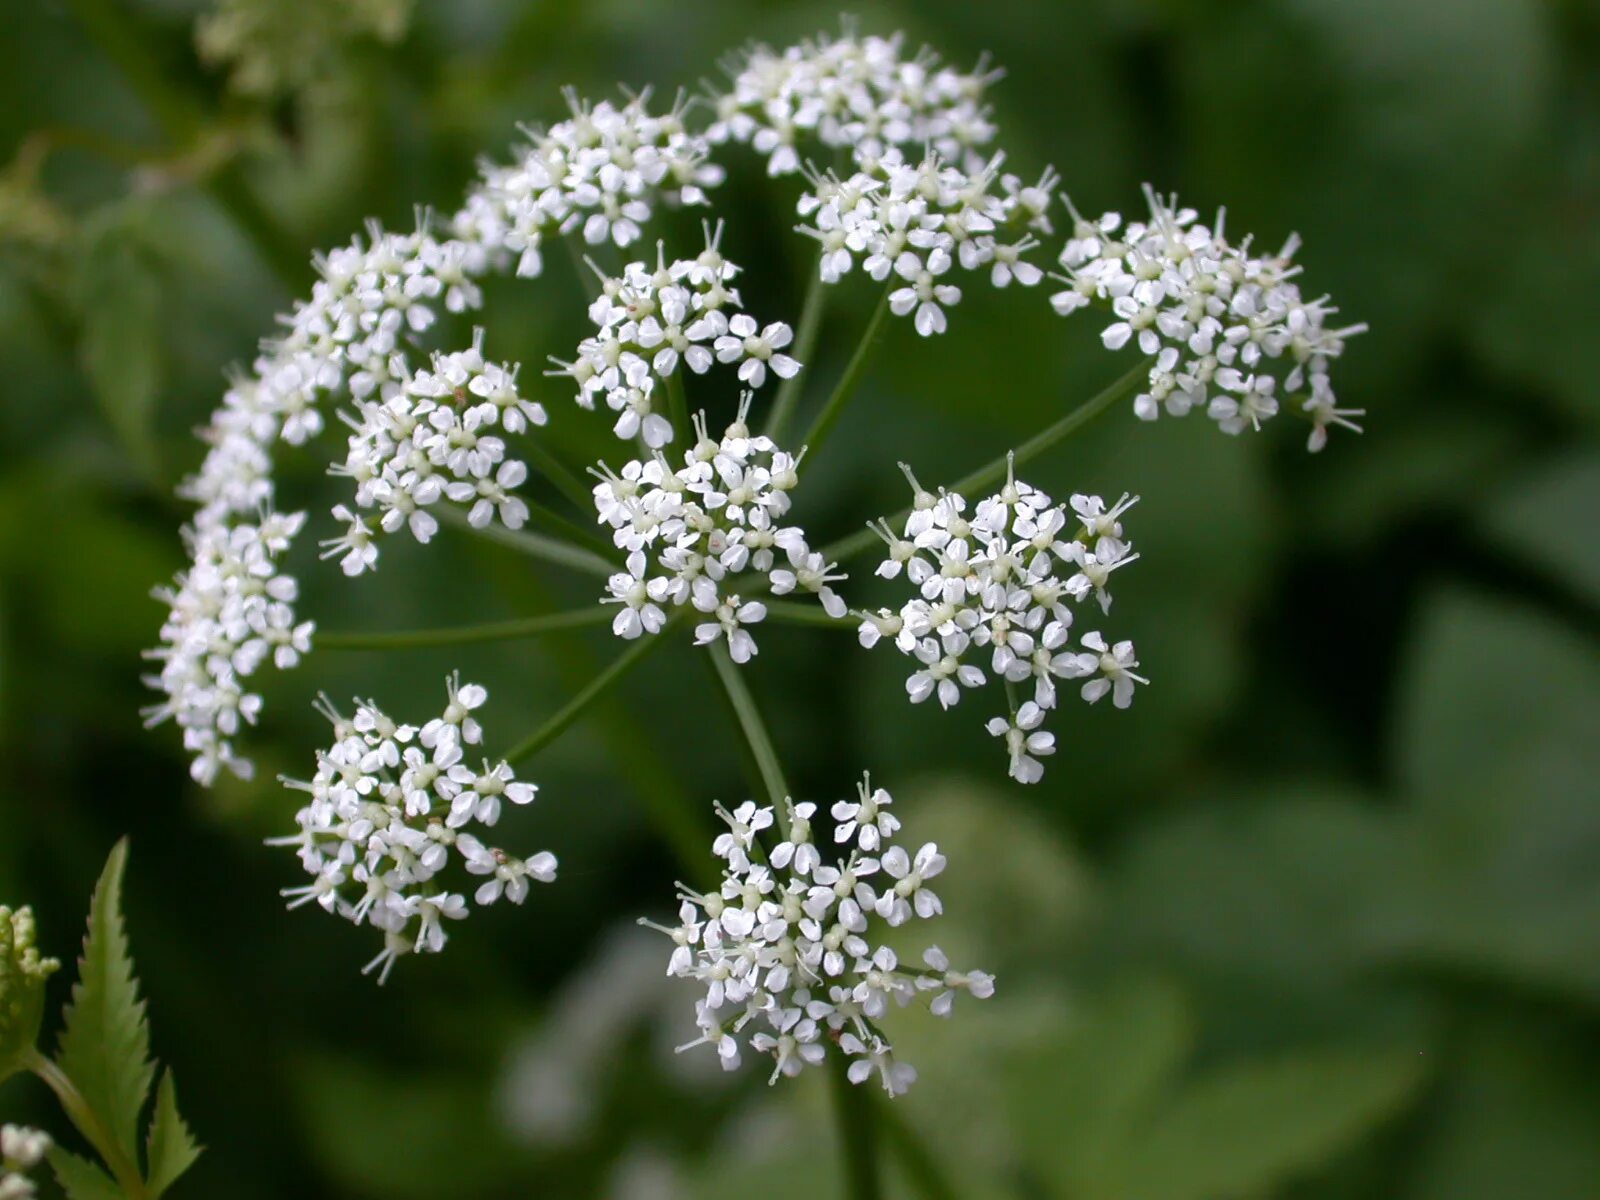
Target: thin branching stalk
<point>792,612</point>
<point>678,408</point>
<point>566,529</point>
<point>757,740</point>
<point>535,545</point>
<point>553,469</point>
<point>460,635</point>
<point>805,344</point>
<point>848,382</point>
<point>575,708</point>
<point>995,470</point>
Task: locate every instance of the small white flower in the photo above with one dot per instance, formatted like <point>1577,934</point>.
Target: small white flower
<point>383,826</point>
<point>788,954</point>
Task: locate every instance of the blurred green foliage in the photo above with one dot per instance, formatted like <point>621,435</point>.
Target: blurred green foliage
<point>1318,918</point>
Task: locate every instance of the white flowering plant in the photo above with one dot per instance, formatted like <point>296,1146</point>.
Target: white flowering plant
<point>899,180</point>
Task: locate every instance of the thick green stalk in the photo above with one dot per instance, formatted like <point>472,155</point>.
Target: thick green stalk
<point>596,687</point>
<point>805,344</point>
<point>924,1172</point>
<point>995,470</point>
<point>494,631</point>
<point>846,387</point>
<point>855,1119</point>
<point>88,1123</point>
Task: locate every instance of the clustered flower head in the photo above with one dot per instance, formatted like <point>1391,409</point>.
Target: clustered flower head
<point>790,949</point>
<point>21,1150</point>
<point>912,220</point>
<point>703,533</point>
<point>649,322</point>
<point>1228,327</point>
<point>434,439</point>
<point>851,92</point>
<point>232,609</point>
<point>23,974</point>
<point>598,173</point>
<point>997,584</point>
<point>392,813</point>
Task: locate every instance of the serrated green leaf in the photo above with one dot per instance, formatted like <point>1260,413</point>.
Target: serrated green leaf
<point>80,1179</point>
<point>105,1042</point>
<point>1247,1130</point>
<point>173,1149</point>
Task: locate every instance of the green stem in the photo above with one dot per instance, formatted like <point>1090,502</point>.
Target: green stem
<point>596,687</point>
<point>756,737</point>
<point>565,529</point>
<point>181,117</point>
<point>494,631</point>
<point>535,545</point>
<point>678,408</point>
<point>994,471</point>
<point>553,469</point>
<point>587,280</point>
<point>823,425</point>
<point>88,1123</point>
<point>805,343</point>
<point>924,1171</point>
<point>854,1116</point>
<point>793,612</point>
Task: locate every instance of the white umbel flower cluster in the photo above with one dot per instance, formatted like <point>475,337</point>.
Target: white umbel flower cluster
<point>701,533</point>
<point>21,1150</point>
<point>911,221</point>
<point>598,173</point>
<point>998,584</point>
<point>436,438</point>
<point>232,608</point>
<point>392,813</point>
<point>790,949</point>
<point>651,322</point>
<point>1229,329</point>
<point>851,92</point>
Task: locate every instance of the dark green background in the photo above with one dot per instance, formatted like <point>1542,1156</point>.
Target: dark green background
<point>1319,917</point>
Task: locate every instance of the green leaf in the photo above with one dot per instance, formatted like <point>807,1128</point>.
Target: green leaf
<point>1488,682</point>
<point>173,1149</point>
<point>1077,1099</point>
<point>80,1179</point>
<point>1547,520</point>
<point>1248,1130</point>
<point>121,349</point>
<point>105,1043</point>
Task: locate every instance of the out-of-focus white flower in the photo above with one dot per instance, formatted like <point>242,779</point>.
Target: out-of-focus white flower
<point>1228,327</point>
<point>995,583</point>
<point>788,950</point>
<point>696,534</point>
<point>232,610</point>
<point>851,92</point>
<point>394,812</point>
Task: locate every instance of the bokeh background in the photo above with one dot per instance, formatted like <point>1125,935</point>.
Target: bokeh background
<point>1318,918</point>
